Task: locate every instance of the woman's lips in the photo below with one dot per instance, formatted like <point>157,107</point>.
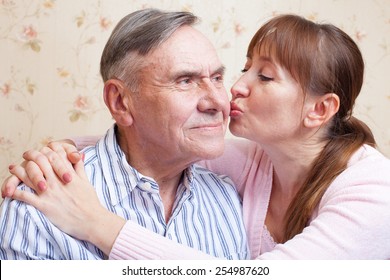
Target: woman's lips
<point>235,111</point>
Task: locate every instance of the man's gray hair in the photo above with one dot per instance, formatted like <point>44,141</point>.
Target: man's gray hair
<point>134,37</point>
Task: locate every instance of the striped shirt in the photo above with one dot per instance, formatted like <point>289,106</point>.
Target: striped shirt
<point>207,213</point>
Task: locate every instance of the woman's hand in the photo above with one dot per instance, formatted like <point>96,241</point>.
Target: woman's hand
<point>72,206</point>
<point>31,172</point>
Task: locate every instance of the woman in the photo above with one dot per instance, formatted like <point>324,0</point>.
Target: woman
<point>312,183</point>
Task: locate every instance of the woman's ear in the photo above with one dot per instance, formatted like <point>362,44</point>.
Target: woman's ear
<point>116,97</point>
<point>323,108</point>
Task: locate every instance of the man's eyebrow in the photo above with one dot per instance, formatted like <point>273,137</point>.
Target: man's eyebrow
<point>221,70</point>
<point>186,73</point>
<point>189,73</point>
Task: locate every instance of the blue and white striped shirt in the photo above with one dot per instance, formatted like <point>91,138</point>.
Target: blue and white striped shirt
<point>207,212</point>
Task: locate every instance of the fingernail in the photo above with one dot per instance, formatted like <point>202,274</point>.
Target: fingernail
<point>11,166</point>
<point>82,156</point>
<point>42,185</point>
<point>67,178</point>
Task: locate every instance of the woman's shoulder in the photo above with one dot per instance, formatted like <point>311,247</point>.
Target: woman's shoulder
<point>367,173</point>
<point>241,161</point>
<point>242,147</point>
<point>369,161</point>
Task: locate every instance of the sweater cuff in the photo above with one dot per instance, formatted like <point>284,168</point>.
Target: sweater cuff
<point>85,141</point>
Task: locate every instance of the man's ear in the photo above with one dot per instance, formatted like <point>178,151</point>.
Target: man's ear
<point>116,97</point>
<point>322,109</point>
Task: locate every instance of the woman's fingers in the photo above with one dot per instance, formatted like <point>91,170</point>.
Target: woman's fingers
<point>40,166</point>
<point>67,147</point>
<point>50,164</point>
<point>59,163</point>
<point>20,172</point>
<point>27,197</point>
<point>80,169</point>
<point>9,186</point>
<point>62,159</point>
<point>35,176</point>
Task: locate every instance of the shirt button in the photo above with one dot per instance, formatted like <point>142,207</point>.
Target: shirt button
<point>147,186</point>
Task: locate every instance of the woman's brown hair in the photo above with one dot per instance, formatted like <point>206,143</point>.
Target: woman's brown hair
<point>322,59</point>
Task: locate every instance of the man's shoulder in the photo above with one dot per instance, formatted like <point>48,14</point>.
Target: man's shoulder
<point>203,171</point>
<point>17,215</point>
<point>208,178</point>
<point>90,155</point>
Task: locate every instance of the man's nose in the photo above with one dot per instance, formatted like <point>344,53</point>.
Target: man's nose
<point>213,98</point>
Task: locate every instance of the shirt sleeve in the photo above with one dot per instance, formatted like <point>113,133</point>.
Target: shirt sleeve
<point>21,238</point>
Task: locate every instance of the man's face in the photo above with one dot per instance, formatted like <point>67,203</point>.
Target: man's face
<point>181,108</point>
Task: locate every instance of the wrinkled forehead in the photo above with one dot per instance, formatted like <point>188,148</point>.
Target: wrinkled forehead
<point>186,48</point>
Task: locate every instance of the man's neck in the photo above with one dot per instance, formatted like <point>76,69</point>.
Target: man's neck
<point>167,174</point>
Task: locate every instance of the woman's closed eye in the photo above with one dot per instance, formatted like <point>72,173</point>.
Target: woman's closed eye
<point>265,78</point>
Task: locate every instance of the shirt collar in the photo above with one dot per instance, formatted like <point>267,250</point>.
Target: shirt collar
<point>120,177</point>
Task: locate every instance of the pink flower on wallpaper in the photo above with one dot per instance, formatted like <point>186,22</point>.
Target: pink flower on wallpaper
<point>105,23</point>
<point>29,35</point>
<point>359,35</point>
<point>81,103</point>
<point>5,89</point>
<point>238,29</point>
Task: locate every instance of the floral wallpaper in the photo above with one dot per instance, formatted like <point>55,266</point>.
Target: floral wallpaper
<point>50,50</point>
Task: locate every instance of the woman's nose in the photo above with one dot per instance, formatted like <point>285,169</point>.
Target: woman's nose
<point>240,88</point>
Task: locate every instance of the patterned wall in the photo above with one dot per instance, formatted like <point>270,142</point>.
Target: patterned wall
<point>50,50</point>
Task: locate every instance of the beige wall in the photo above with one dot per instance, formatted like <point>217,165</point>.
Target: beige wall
<point>50,49</point>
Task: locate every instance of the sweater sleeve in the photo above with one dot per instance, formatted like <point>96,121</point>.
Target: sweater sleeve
<point>351,222</point>
<point>137,243</point>
<point>85,141</point>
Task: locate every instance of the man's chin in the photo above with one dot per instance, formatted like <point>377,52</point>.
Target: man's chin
<point>213,151</point>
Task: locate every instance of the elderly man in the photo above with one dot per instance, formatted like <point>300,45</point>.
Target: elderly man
<point>163,84</point>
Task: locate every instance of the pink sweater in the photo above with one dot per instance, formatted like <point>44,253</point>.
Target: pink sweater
<point>352,220</point>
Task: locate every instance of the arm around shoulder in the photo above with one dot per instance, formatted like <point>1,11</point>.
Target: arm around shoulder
<point>137,243</point>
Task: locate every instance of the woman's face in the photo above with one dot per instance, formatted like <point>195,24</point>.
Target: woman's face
<point>267,104</point>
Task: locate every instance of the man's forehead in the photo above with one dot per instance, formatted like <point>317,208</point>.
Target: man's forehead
<point>182,64</point>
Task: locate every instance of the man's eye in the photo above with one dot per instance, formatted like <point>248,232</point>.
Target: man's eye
<point>265,78</point>
<point>217,78</point>
<point>185,81</point>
